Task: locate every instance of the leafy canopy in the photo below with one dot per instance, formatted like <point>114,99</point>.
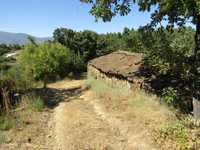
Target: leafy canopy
<point>173,11</point>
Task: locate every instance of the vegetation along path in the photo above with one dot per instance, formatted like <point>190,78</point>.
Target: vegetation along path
<point>80,121</point>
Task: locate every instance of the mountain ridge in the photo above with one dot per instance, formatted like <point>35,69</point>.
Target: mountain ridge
<point>19,38</point>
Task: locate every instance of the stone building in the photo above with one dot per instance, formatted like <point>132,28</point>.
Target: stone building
<point>117,69</point>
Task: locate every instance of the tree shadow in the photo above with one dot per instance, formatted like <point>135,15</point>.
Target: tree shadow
<point>155,83</point>
<point>52,96</point>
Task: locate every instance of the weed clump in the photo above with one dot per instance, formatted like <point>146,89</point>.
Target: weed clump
<point>181,135</point>
<point>36,104</point>
<point>6,122</point>
<point>170,96</point>
<point>2,138</point>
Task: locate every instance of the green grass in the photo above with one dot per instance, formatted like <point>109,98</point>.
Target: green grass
<point>181,133</point>
<point>177,132</point>
<point>101,88</point>
<point>36,104</point>
<point>2,138</point>
<point>140,99</point>
<point>32,103</point>
<point>12,120</point>
<point>6,122</point>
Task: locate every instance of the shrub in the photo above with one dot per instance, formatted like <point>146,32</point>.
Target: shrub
<point>44,61</point>
<point>170,96</point>
<point>175,132</point>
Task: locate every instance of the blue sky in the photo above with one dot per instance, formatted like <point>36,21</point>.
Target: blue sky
<point>42,17</point>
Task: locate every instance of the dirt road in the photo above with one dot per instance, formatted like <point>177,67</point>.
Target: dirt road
<point>80,122</point>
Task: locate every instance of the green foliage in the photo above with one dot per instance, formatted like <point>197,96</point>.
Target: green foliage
<point>2,138</point>
<point>182,134</point>
<point>6,63</point>
<point>6,122</point>
<point>44,61</point>
<point>176,132</point>
<point>172,11</point>
<point>32,40</point>
<point>169,52</point>
<point>170,96</point>
<point>36,103</point>
<point>83,43</point>
<point>78,64</point>
<point>102,89</point>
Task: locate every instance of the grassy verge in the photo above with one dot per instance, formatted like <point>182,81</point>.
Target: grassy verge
<point>2,138</point>
<point>101,89</point>
<point>149,111</point>
<point>183,134</point>
<point>21,116</point>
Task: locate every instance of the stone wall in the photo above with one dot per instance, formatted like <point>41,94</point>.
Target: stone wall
<point>112,80</point>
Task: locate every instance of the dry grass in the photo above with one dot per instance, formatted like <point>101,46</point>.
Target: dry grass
<point>140,103</point>
<point>148,107</point>
<point>22,125</point>
<point>64,84</point>
<point>147,114</point>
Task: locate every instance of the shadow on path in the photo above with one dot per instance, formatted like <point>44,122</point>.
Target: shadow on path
<point>53,96</point>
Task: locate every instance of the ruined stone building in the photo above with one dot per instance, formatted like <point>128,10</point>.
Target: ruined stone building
<point>117,69</point>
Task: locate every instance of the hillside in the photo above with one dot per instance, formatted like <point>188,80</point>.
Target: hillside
<point>18,38</point>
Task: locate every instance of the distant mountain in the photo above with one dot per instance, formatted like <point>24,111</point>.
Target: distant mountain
<point>18,38</point>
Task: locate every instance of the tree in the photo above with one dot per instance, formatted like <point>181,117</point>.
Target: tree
<point>175,12</point>
<point>44,61</point>
<point>81,43</point>
<point>65,37</point>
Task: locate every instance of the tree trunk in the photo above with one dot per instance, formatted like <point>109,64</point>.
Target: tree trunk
<point>45,82</point>
<point>196,108</point>
<point>6,100</point>
<point>196,99</point>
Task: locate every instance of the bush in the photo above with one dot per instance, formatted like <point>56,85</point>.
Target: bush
<point>44,61</point>
<point>22,80</point>
<point>170,96</point>
<point>176,133</point>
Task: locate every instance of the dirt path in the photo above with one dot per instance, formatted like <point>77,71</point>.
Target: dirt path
<point>81,123</point>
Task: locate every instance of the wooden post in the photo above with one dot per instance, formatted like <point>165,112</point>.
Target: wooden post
<point>196,108</point>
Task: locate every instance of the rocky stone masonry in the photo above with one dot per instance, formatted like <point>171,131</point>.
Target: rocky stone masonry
<point>117,69</point>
